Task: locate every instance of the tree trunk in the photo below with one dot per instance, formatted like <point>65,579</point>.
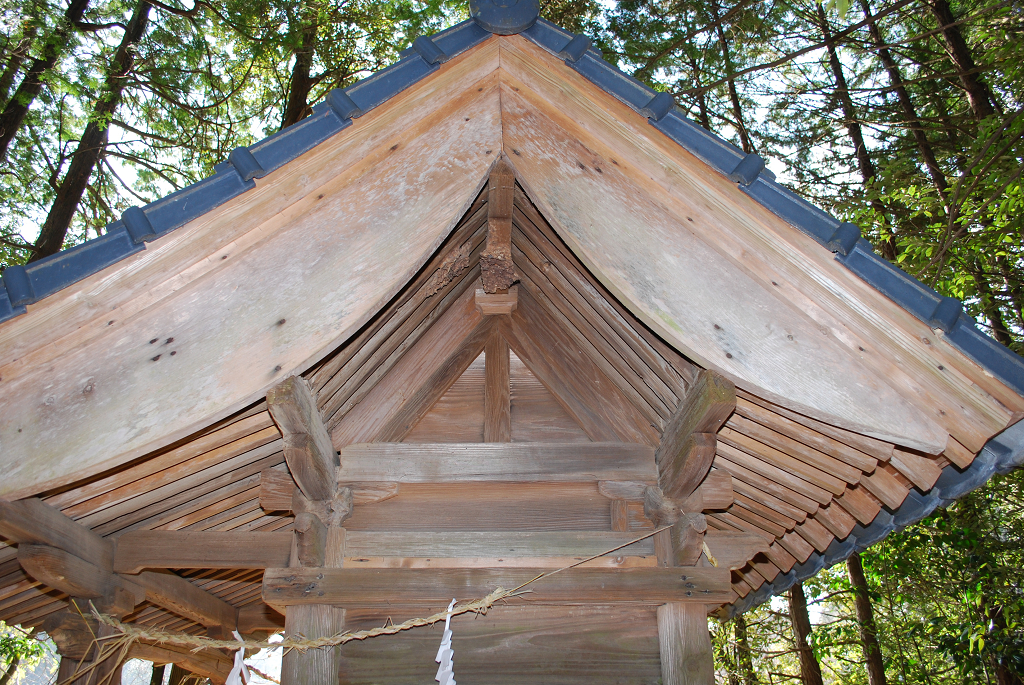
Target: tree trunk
<point>12,668</point>
<point>743,657</point>
<point>94,138</point>
<point>734,98</point>
<point>18,56</point>
<point>866,619</point>
<point>301,83</point>
<point>924,146</point>
<point>853,128</point>
<point>810,671</point>
<point>702,96</point>
<point>978,95</point>
<point>17,107</point>
<point>990,305</point>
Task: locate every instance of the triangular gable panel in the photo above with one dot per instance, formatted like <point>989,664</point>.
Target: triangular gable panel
<point>536,416</point>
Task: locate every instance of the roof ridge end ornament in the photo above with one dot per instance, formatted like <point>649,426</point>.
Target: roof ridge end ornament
<point>504,17</point>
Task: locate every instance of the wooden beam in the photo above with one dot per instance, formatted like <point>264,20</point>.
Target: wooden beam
<point>497,390</point>
<point>687,536</point>
<point>357,587</point>
<point>307,445</point>
<point>686,654</point>
<point>508,462</point>
<point>259,617</point>
<point>687,445</point>
<point>142,549</point>
<point>64,571</point>
<point>178,595</point>
<point>611,561</point>
<point>491,544</point>
<point>497,304</point>
<point>732,549</point>
<point>208,663</point>
<point>277,491</point>
<point>497,271</point>
<point>246,549</point>
<point>35,522</point>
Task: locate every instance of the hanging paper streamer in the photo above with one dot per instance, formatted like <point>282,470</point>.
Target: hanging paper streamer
<point>445,652</point>
<point>239,674</point>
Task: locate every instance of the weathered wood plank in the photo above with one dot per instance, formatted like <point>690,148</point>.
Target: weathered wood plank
<point>799,450</point>
<point>497,390</point>
<point>200,549</point>
<point>581,331</point>
<point>510,462</point>
<point>732,549</point>
<point>549,563</point>
<point>259,616</point>
<point>277,491</point>
<point>492,304</point>
<point>486,544</point>
<point>307,445</point>
<point>921,471</point>
<point>230,349</point>
<point>511,645</point>
<point>686,287</point>
<point>422,587</point>
<point>486,507</point>
<point>669,367</point>
<point>803,433</point>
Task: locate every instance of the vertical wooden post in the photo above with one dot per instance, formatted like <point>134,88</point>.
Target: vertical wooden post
<point>74,661</point>
<point>320,666</point>
<point>497,391</point>
<point>686,655</point>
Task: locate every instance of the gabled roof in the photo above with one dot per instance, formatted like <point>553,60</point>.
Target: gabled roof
<point>249,281</point>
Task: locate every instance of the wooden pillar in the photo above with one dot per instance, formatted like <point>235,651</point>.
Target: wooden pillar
<point>686,655</point>
<point>314,666</point>
<point>74,644</point>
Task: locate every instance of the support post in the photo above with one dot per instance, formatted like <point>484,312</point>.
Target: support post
<point>321,666</point>
<point>75,634</point>
<point>686,654</point>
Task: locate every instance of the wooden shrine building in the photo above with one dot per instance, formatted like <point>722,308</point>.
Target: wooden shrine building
<point>491,311</point>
